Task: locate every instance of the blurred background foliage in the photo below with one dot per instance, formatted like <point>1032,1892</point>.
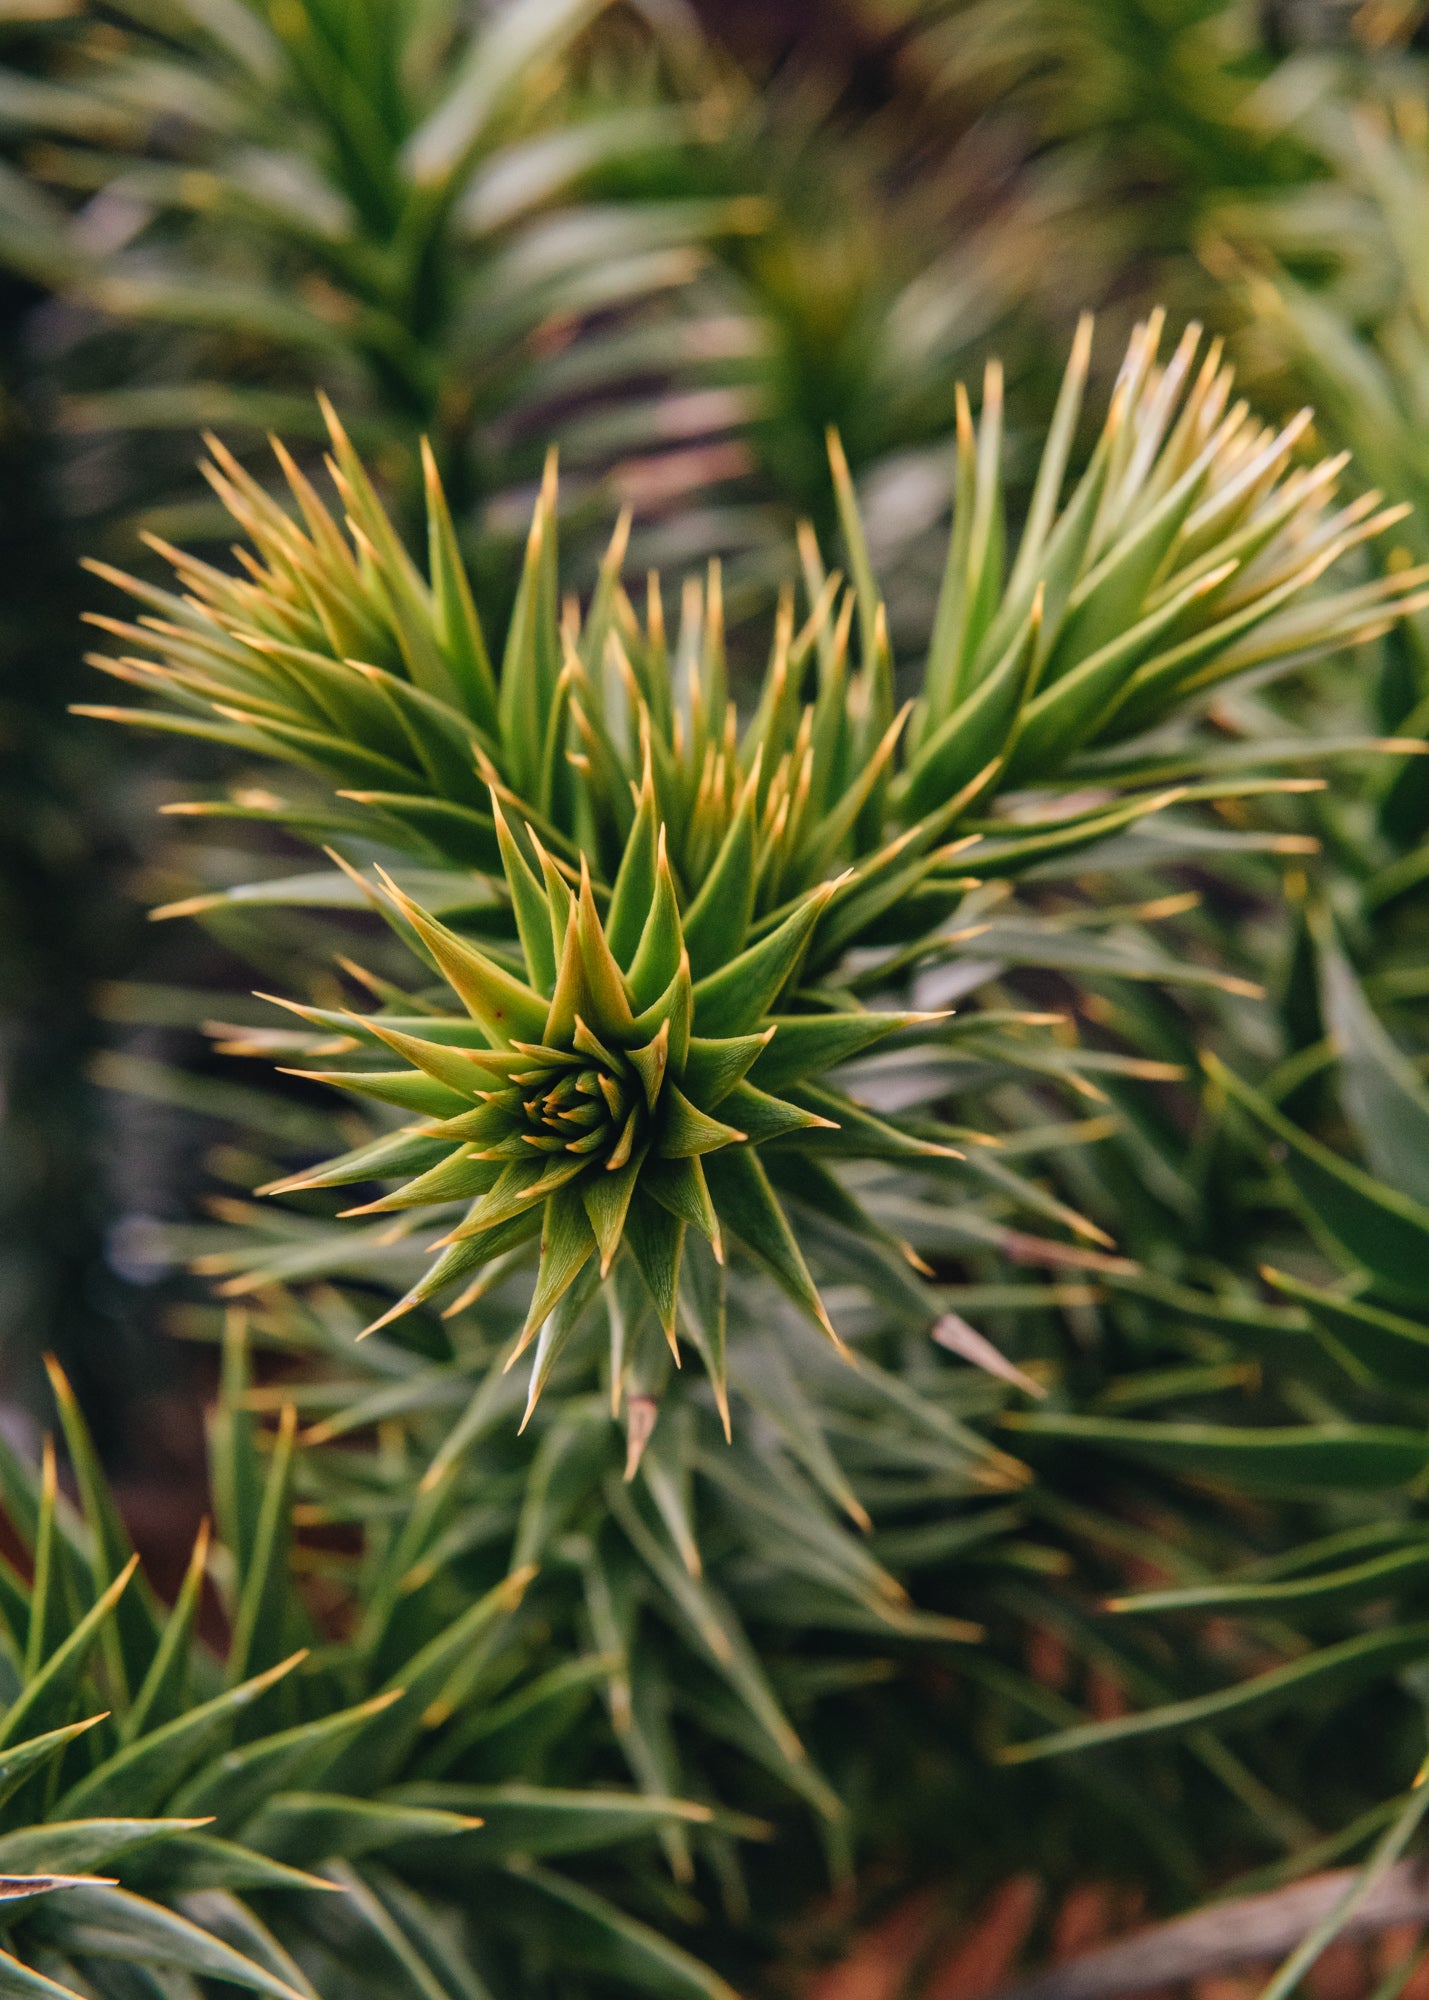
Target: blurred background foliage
<point>681,242</point>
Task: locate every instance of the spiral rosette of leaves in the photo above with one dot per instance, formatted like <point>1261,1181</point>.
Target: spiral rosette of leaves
<point>609,1100</point>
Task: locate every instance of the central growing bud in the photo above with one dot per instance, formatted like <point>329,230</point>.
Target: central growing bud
<point>596,1102</point>
<point>587,1118</point>
<point>608,1101</point>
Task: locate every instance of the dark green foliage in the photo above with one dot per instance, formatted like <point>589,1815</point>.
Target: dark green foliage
<point>269,1814</point>
<point>961,1442</point>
